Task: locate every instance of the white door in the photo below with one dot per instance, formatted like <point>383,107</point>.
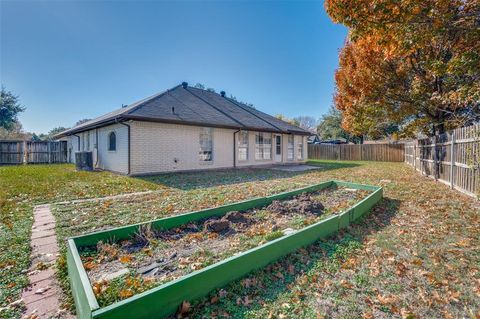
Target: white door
<point>278,148</point>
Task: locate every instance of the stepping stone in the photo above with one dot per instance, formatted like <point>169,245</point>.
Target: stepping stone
<point>41,297</point>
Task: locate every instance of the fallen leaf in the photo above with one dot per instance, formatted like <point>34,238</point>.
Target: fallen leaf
<point>184,307</point>
<point>126,293</point>
<point>222,293</point>
<point>291,269</point>
<point>401,269</point>
<point>386,300</point>
<point>125,259</point>
<point>346,284</point>
<point>89,265</point>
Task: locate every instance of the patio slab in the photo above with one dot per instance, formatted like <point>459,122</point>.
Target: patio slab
<point>295,168</point>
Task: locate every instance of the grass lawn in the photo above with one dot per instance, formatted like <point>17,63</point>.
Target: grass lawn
<point>416,255</point>
<point>22,187</point>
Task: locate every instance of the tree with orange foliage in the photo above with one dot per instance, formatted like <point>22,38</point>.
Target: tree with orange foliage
<point>412,63</point>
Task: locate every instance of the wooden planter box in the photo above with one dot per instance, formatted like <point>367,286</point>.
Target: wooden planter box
<point>165,299</point>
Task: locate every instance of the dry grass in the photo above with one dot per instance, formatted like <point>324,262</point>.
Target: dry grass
<point>416,256</point>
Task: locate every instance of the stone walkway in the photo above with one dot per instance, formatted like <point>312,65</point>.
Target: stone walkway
<point>41,297</point>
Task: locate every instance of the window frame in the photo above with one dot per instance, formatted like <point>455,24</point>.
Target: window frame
<point>109,140</point>
<point>205,131</point>
<point>243,144</point>
<point>300,149</point>
<point>261,147</point>
<point>291,148</point>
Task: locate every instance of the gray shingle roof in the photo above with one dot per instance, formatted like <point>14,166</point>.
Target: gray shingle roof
<point>192,106</point>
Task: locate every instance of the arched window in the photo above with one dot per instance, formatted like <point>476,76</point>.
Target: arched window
<point>112,141</point>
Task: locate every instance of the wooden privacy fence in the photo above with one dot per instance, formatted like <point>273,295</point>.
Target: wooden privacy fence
<point>27,152</point>
<point>451,158</point>
<point>357,152</point>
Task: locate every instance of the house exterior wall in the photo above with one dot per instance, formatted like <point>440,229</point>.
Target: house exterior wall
<point>251,161</point>
<point>251,152</point>
<point>116,161</point>
<point>161,147</point>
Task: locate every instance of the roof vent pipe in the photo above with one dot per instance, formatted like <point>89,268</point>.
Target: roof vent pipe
<point>184,84</point>
<point>222,93</point>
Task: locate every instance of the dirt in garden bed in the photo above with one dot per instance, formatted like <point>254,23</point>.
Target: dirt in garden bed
<point>120,270</point>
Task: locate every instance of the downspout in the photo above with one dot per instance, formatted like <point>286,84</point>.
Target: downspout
<point>234,150</point>
<point>128,127</point>
<point>78,144</point>
<point>96,147</point>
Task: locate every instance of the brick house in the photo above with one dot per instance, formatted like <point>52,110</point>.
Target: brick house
<point>186,128</point>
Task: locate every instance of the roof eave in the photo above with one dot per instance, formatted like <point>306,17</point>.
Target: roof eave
<point>182,122</point>
<point>74,130</point>
<point>300,132</point>
<point>171,121</point>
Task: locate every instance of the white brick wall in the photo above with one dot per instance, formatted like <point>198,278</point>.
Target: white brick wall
<point>156,146</point>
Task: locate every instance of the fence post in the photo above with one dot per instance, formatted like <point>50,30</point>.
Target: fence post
<point>49,148</point>
<point>435,160</point>
<point>415,155</point>
<point>452,160</point>
<point>25,153</point>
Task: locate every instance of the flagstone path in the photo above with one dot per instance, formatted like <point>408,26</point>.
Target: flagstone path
<point>41,297</point>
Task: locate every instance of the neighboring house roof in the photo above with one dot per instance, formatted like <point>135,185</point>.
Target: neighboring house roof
<point>187,105</point>
<point>313,139</point>
<point>339,140</point>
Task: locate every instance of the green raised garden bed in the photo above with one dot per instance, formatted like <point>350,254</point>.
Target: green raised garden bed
<point>165,299</point>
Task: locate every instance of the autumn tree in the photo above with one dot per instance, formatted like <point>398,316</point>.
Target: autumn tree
<point>414,64</point>
<point>286,119</point>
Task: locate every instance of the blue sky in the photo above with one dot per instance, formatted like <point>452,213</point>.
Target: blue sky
<point>74,60</point>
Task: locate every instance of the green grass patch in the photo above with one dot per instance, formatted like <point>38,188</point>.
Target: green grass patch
<point>22,187</point>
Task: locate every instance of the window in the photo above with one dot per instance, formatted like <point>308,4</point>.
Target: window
<point>206,145</point>
<point>278,145</point>
<point>243,146</point>
<point>300,149</point>
<point>263,146</point>
<point>290,148</point>
<point>112,141</point>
